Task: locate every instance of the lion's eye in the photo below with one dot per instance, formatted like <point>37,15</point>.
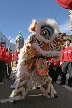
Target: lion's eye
<point>46,32</point>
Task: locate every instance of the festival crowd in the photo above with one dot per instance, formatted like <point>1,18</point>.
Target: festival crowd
<point>6,60</point>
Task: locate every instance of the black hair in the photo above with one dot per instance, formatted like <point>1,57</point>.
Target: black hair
<point>2,42</point>
<point>68,40</point>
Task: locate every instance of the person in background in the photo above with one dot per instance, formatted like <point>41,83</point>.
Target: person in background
<point>66,62</point>
<point>8,62</point>
<point>2,61</point>
<point>15,56</point>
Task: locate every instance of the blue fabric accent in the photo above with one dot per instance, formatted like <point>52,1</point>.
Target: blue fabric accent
<point>49,29</point>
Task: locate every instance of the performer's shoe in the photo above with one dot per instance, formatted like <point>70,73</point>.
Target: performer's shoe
<point>12,87</point>
<point>70,85</point>
<point>63,79</point>
<point>53,82</point>
<point>70,81</point>
<point>15,101</point>
<point>55,96</point>
<point>38,88</point>
<point>62,83</point>
<point>1,83</point>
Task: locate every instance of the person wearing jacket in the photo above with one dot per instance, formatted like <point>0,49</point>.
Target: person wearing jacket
<point>8,61</point>
<point>15,56</point>
<point>2,61</point>
<point>66,62</point>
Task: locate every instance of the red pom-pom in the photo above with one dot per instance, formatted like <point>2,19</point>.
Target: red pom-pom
<point>58,43</point>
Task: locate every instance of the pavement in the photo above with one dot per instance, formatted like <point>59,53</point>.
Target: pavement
<point>34,98</point>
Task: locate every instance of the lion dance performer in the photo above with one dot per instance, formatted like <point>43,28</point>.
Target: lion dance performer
<point>32,69</point>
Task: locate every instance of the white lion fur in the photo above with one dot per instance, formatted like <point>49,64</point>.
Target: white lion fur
<point>22,70</point>
<point>31,25</point>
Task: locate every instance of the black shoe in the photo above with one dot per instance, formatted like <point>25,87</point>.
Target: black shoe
<point>63,79</point>
<point>70,82</point>
<point>1,83</point>
<point>62,83</point>
<point>15,101</point>
<point>55,96</point>
<point>70,85</point>
<point>38,88</point>
<point>53,82</point>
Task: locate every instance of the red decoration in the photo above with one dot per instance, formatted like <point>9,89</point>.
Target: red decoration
<point>40,67</point>
<point>27,47</point>
<point>33,29</point>
<point>67,4</point>
<point>58,43</point>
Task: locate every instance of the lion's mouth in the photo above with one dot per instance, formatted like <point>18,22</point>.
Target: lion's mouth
<point>40,43</point>
<point>45,34</point>
<point>55,45</point>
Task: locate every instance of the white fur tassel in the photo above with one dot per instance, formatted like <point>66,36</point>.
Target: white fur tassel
<point>31,25</point>
<point>51,54</point>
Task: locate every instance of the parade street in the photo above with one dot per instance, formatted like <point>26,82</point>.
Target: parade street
<point>34,99</point>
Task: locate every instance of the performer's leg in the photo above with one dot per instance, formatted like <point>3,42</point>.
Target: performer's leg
<point>64,70</point>
<point>51,72</point>
<point>48,89</point>
<point>70,74</point>
<point>57,72</point>
<point>6,71</point>
<point>2,70</point>
<point>9,70</point>
<point>21,88</point>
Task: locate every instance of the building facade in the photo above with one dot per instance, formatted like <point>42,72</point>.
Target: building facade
<point>70,15</point>
<point>19,41</point>
<point>7,42</point>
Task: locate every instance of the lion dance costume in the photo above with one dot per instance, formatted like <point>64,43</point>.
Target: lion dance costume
<point>32,69</point>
